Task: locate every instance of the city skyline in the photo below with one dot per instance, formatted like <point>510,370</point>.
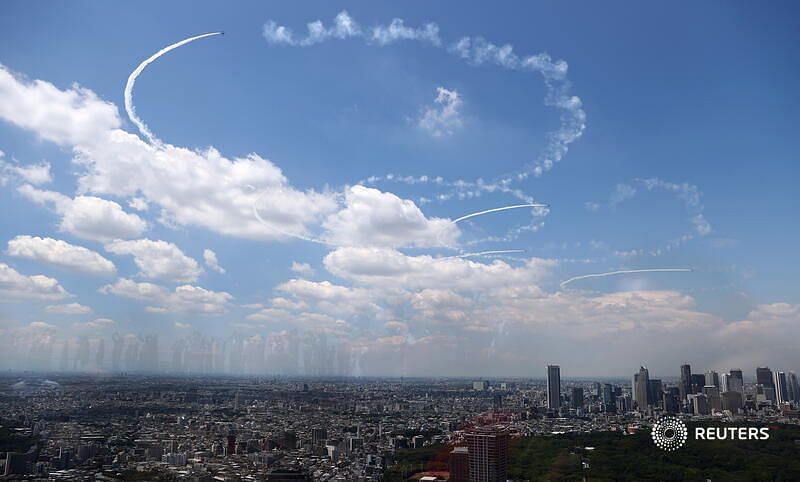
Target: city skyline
<point>397,190</point>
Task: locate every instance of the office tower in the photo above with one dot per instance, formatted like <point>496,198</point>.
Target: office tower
<point>713,396</point>
<point>608,398</point>
<point>723,382</point>
<point>598,389</point>
<point>685,386</point>
<point>794,387</point>
<point>712,378</point>
<point>698,382</point>
<point>655,389</point>
<point>641,382</point>
<point>497,401</point>
<point>553,387</point>
<point>488,454</point>
<point>700,404</point>
<point>781,387</point>
<point>671,400</point>
<point>732,401</point>
<point>318,436</point>
<point>576,401</point>
<point>764,378</point>
<point>459,464</point>
<point>736,382</point>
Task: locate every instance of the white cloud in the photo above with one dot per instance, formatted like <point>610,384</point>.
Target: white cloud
<point>184,299</point>
<point>96,324</point>
<point>192,187</point>
<point>375,218</point>
<point>61,254</point>
<point>158,259</point>
<point>88,217</point>
<point>42,326</point>
<point>210,258</point>
<point>386,267</point>
<point>15,286</point>
<point>303,269</point>
<point>35,174</point>
<point>182,326</point>
<point>66,117</point>
<point>445,116</point>
<point>68,309</point>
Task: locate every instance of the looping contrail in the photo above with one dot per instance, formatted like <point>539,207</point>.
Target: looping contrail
<point>485,253</point>
<point>129,107</point>
<point>504,208</point>
<point>626,271</point>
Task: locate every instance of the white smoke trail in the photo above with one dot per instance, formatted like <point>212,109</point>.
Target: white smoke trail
<point>485,253</point>
<point>129,107</point>
<point>504,208</point>
<point>626,271</point>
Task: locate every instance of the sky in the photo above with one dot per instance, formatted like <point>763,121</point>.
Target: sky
<point>298,196</point>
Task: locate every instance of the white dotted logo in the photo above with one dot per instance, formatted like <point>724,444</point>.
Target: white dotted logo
<point>669,433</point>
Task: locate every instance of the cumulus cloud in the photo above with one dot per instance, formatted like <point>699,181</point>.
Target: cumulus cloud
<point>88,217</point>
<point>375,218</point>
<point>61,254</point>
<point>210,258</point>
<point>158,259</point>
<point>68,309</point>
<point>96,324</point>
<point>66,117</point>
<point>192,187</point>
<point>15,286</point>
<point>303,269</point>
<point>184,299</point>
<point>35,174</point>
<point>444,116</point>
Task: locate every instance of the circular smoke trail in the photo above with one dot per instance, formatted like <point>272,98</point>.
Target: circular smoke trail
<point>129,107</point>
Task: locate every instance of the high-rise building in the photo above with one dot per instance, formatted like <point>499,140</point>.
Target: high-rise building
<point>488,454</point>
<point>732,401</point>
<point>553,387</point>
<point>735,381</point>
<point>641,382</point>
<point>781,387</point>
<point>459,464</point>
<point>685,386</point>
<point>712,378</point>
<point>576,400</point>
<point>700,404</point>
<point>655,390</point>
<point>794,387</point>
<point>608,398</point>
<point>764,378</point>
<point>698,382</point>
<point>713,396</point>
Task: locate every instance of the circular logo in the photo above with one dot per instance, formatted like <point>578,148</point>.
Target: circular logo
<point>669,433</point>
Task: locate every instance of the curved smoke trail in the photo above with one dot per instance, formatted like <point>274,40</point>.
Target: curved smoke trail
<point>504,208</point>
<point>626,271</point>
<point>129,107</point>
<point>486,253</point>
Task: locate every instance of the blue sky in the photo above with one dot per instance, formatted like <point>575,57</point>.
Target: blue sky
<point>687,143</point>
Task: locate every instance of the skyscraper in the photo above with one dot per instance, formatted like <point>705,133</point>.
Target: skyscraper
<point>609,398</point>
<point>764,378</point>
<point>794,388</point>
<point>735,381</point>
<point>641,385</point>
<point>576,400</point>
<point>712,378</point>
<point>781,387</point>
<point>488,454</point>
<point>685,386</point>
<point>553,387</point>
<point>459,464</point>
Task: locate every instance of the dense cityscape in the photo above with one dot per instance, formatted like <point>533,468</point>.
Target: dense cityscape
<point>134,426</point>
